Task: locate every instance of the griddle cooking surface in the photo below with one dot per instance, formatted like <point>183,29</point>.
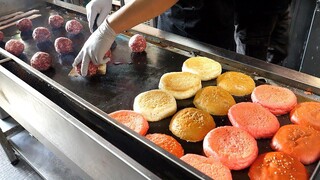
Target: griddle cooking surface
<point>128,74</point>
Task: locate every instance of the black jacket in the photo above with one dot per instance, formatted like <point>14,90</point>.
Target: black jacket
<point>209,21</point>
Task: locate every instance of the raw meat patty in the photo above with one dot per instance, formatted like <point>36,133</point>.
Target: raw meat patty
<point>92,69</point>
<point>41,34</point>
<point>137,43</point>
<point>73,27</point>
<point>41,61</point>
<point>24,24</point>
<point>14,47</point>
<point>55,21</point>
<point>63,45</point>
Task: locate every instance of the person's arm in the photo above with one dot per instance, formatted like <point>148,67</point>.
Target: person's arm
<point>133,13</point>
<point>95,8</point>
<point>136,12</point>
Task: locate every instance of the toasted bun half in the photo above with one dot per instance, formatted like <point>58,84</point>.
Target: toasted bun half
<point>301,142</point>
<point>306,114</point>
<point>236,83</point>
<point>277,165</point>
<point>181,85</point>
<point>155,105</point>
<point>234,147</point>
<point>167,142</point>
<point>254,118</point>
<point>131,119</point>
<point>191,124</point>
<point>205,67</point>
<point>214,100</point>
<point>209,166</point>
<point>279,100</point>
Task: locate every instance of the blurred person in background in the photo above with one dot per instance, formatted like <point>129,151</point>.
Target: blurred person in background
<point>209,21</point>
<point>262,29</point>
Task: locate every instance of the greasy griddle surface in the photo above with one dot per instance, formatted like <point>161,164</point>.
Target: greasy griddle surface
<point>128,74</point>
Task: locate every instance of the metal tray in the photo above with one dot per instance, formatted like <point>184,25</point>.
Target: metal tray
<point>128,74</point>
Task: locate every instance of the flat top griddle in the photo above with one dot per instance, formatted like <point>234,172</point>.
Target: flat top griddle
<point>128,74</point>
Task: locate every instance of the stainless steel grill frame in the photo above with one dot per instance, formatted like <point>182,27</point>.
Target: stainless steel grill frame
<point>63,113</point>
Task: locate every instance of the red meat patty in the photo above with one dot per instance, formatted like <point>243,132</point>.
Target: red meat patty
<point>92,69</point>
<point>232,146</point>
<point>14,47</point>
<point>41,34</point>
<point>55,21</point>
<point>73,27</point>
<point>63,45</point>
<point>41,61</point>
<point>24,24</point>
<point>137,43</point>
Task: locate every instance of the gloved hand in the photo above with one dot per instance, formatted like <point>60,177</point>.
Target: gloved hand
<point>95,48</point>
<point>95,7</point>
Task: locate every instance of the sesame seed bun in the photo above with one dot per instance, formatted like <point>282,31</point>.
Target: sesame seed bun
<point>205,67</point>
<point>298,141</point>
<point>155,105</point>
<point>209,166</point>
<point>181,85</point>
<point>234,147</point>
<point>253,118</point>
<point>278,100</point>
<point>214,100</point>
<point>236,83</point>
<point>167,142</point>
<point>277,165</point>
<point>191,124</point>
<point>306,114</point>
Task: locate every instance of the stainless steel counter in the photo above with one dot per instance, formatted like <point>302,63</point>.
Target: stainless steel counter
<point>69,114</point>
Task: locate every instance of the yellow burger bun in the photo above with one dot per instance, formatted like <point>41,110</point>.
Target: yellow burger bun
<point>204,67</point>
<point>155,105</point>
<point>236,83</point>
<point>191,124</point>
<point>214,100</point>
<point>181,85</point>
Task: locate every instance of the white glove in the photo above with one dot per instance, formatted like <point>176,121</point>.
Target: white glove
<point>95,48</point>
<point>95,7</point>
